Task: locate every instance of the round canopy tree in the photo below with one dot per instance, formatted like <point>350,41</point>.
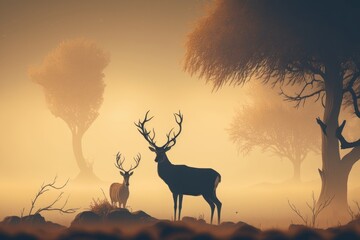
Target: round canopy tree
<point>278,129</point>
<point>72,79</point>
<point>315,44</point>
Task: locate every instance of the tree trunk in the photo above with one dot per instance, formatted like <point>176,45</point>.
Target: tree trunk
<point>86,170</point>
<point>334,173</point>
<point>334,185</point>
<point>297,169</point>
<point>296,162</point>
<point>297,159</point>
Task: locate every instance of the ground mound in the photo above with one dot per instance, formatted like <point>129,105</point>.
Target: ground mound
<point>122,224</point>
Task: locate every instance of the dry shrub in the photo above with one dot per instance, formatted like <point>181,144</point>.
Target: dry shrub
<point>101,207</point>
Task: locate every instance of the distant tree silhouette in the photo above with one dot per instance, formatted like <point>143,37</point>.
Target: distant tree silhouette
<point>72,79</point>
<point>281,130</point>
<point>314,44</point>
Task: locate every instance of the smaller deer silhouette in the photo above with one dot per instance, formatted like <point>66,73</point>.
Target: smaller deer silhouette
<point>119,193</point>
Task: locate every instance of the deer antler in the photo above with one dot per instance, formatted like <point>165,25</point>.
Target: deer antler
<point>137,162</point>
<point>141,128</point>
<point>119,162</point>
<point>171,141</point>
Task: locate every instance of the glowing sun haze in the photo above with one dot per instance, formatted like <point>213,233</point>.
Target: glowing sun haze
<point>145,41</point>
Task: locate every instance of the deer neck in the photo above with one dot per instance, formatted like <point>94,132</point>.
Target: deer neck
<point>165,161</point>
<point>124,185</point>
<point>163,168</point>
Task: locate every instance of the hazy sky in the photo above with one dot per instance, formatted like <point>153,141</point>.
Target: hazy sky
<point>145,40</point>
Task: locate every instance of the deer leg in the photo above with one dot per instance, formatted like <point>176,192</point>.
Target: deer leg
<point>218,205</point>
<point>175,197</point>
<point>180,205</point>
<point>212,206</point>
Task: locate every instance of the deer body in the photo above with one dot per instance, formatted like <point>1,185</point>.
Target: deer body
<point>185,180</point>
<point>181,179</point>
<point>119,193</point>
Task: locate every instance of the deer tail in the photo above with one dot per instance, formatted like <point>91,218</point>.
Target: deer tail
<point>217,181</point>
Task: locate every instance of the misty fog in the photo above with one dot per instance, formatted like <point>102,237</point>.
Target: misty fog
<point>145,42</point>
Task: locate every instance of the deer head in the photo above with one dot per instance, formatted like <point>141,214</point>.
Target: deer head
<point>150,136</point>
<point>123,172</point>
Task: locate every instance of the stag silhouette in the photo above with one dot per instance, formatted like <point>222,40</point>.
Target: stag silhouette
<point>181,179</point>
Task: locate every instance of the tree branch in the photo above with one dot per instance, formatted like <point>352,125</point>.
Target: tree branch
<point>355,101</point>
<point>344,143</point>
<point>298,98</point>
<point>319,208</point>
<point>322,125</point>
<point>61,209</point>
<point>354,97</point>
<point>353,79</point>
<point>297,211</point>
<point>46,187</point>
<point>323,100</point>
<point>315,209</point>
<point>301,96</point>
<point>316,70</point>
<point>352,157</point>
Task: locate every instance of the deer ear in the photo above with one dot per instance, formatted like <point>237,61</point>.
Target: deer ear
<point>167,149</point>
<point>131,173</point>
<point>122,174</point>
<point>152,149</point>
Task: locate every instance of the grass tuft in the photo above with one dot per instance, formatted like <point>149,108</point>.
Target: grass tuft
<point>101,207</point>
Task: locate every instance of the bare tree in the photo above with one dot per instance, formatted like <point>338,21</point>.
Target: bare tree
<point>72,80</point>
<point>45,187</point>
<point>315,210</point>
<point>312,44</point>
<point>278,129</point>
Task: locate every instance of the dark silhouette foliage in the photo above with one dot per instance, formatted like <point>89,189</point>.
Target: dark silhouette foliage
<point>314,45</point>
<point>279,40</point>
